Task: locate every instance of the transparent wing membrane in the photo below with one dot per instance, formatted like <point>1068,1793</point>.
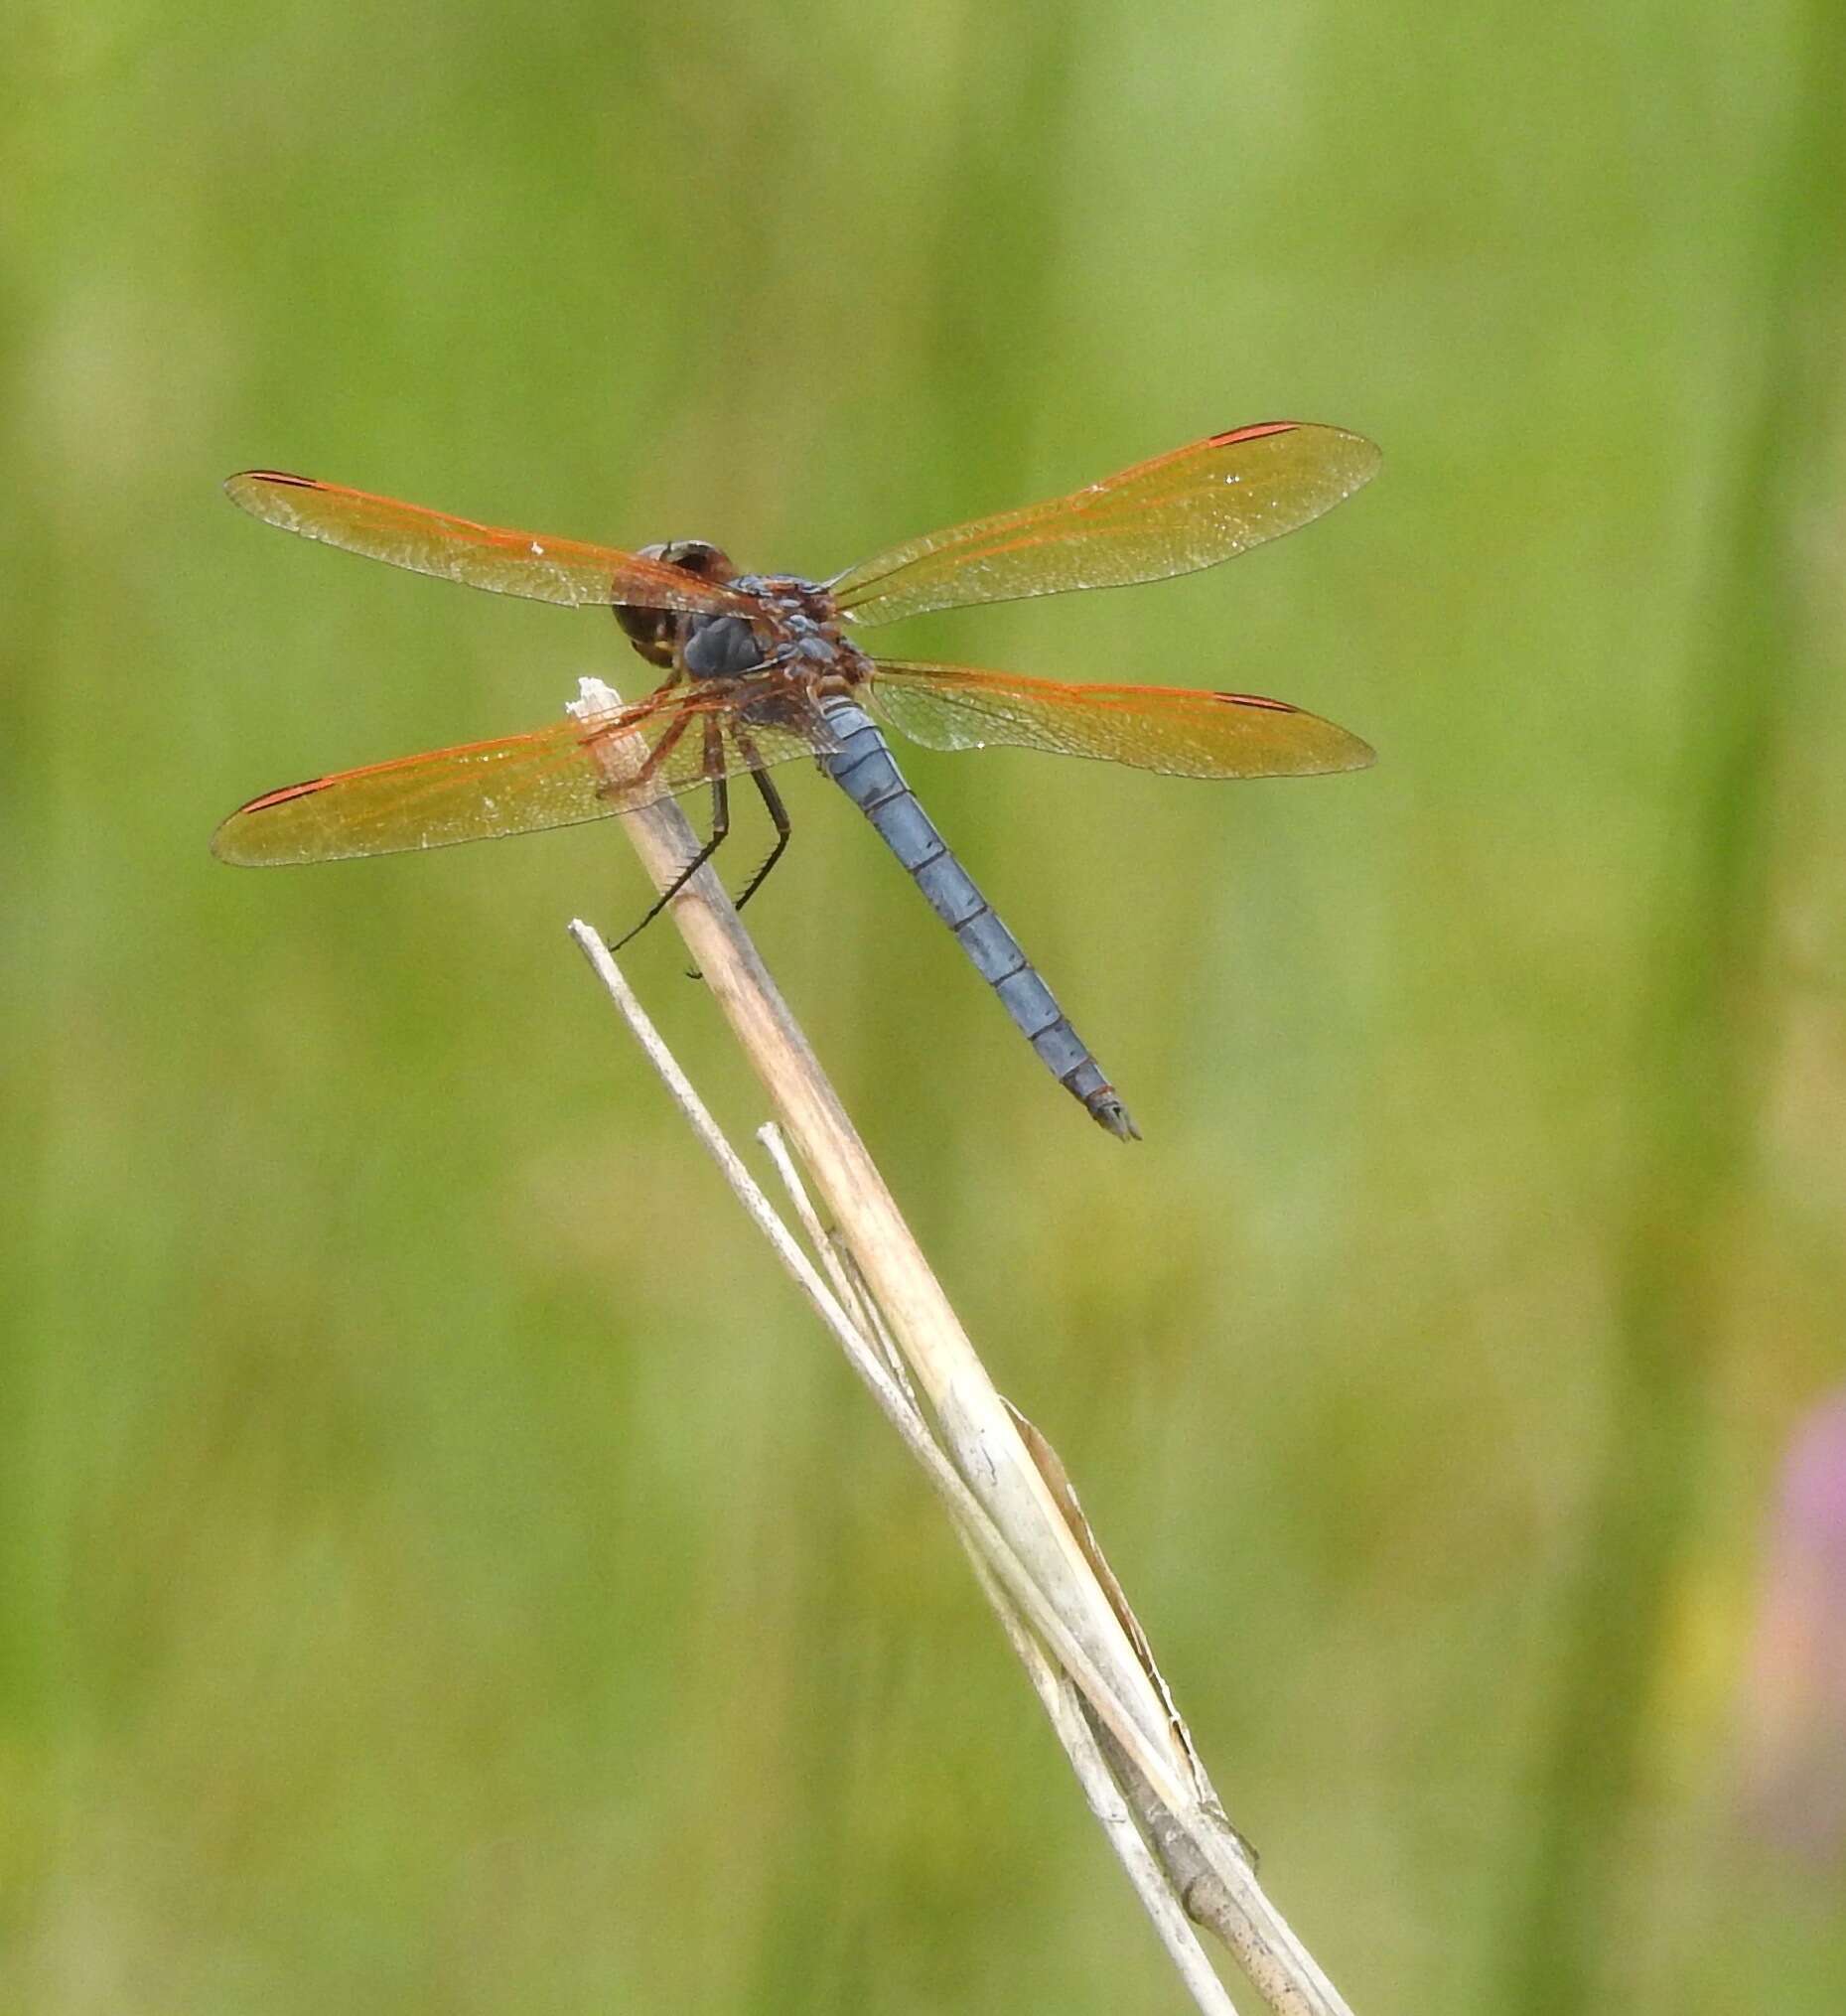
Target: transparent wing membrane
<point>1177,730</point>
<point>480,556</point>
<point>559,775</point>
<point>1184,511</point>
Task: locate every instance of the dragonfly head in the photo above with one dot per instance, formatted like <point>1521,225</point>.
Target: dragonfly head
<point>658,632</point>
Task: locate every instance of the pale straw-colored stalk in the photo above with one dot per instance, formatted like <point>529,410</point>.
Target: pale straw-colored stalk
<point>1062,1610</point>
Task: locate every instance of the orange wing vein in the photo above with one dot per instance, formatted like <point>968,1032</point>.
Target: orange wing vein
<point>1177,730</point>
<point>1184,511</point>
<point>481,556</point>
<point>559,775</point>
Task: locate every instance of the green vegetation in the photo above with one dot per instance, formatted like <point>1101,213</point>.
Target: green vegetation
<point>444,1569</point>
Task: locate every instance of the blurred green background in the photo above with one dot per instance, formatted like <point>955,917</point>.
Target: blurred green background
<point>444,1570</point>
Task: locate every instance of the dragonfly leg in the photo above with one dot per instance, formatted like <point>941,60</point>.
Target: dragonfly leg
<point>778,819</point>
<point>720,830</point>
<point>779,816</point>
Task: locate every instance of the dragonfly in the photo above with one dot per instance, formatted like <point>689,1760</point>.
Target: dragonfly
<point>760,668</point>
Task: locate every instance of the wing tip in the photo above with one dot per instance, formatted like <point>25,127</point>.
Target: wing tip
<point>253,490</point>
<point>1364,456</point>
<point>1254,431</point>
<point>1343,750</point>
<point>225,845</point>
<point>238,839</point>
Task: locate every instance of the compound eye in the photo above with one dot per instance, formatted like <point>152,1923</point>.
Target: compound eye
<point>656,632</point>
<point>696,556</point>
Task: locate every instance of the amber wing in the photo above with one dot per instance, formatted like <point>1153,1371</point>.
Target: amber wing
<point>559,775</point>
<point>1177,730</point>
<point>504,562</point>
<point>1184,511</point>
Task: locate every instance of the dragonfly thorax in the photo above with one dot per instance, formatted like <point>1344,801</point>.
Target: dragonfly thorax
<point>791,628</point>
<point>808,639</point>
<point>720,648</point>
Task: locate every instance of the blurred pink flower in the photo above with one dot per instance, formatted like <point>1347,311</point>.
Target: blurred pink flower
<point>1795,1702</point>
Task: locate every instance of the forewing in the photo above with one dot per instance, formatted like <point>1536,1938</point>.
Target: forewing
<point>480,556</point>
<point>1177,730</point>
<point>560,775</point>
<point>1179,513</point>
